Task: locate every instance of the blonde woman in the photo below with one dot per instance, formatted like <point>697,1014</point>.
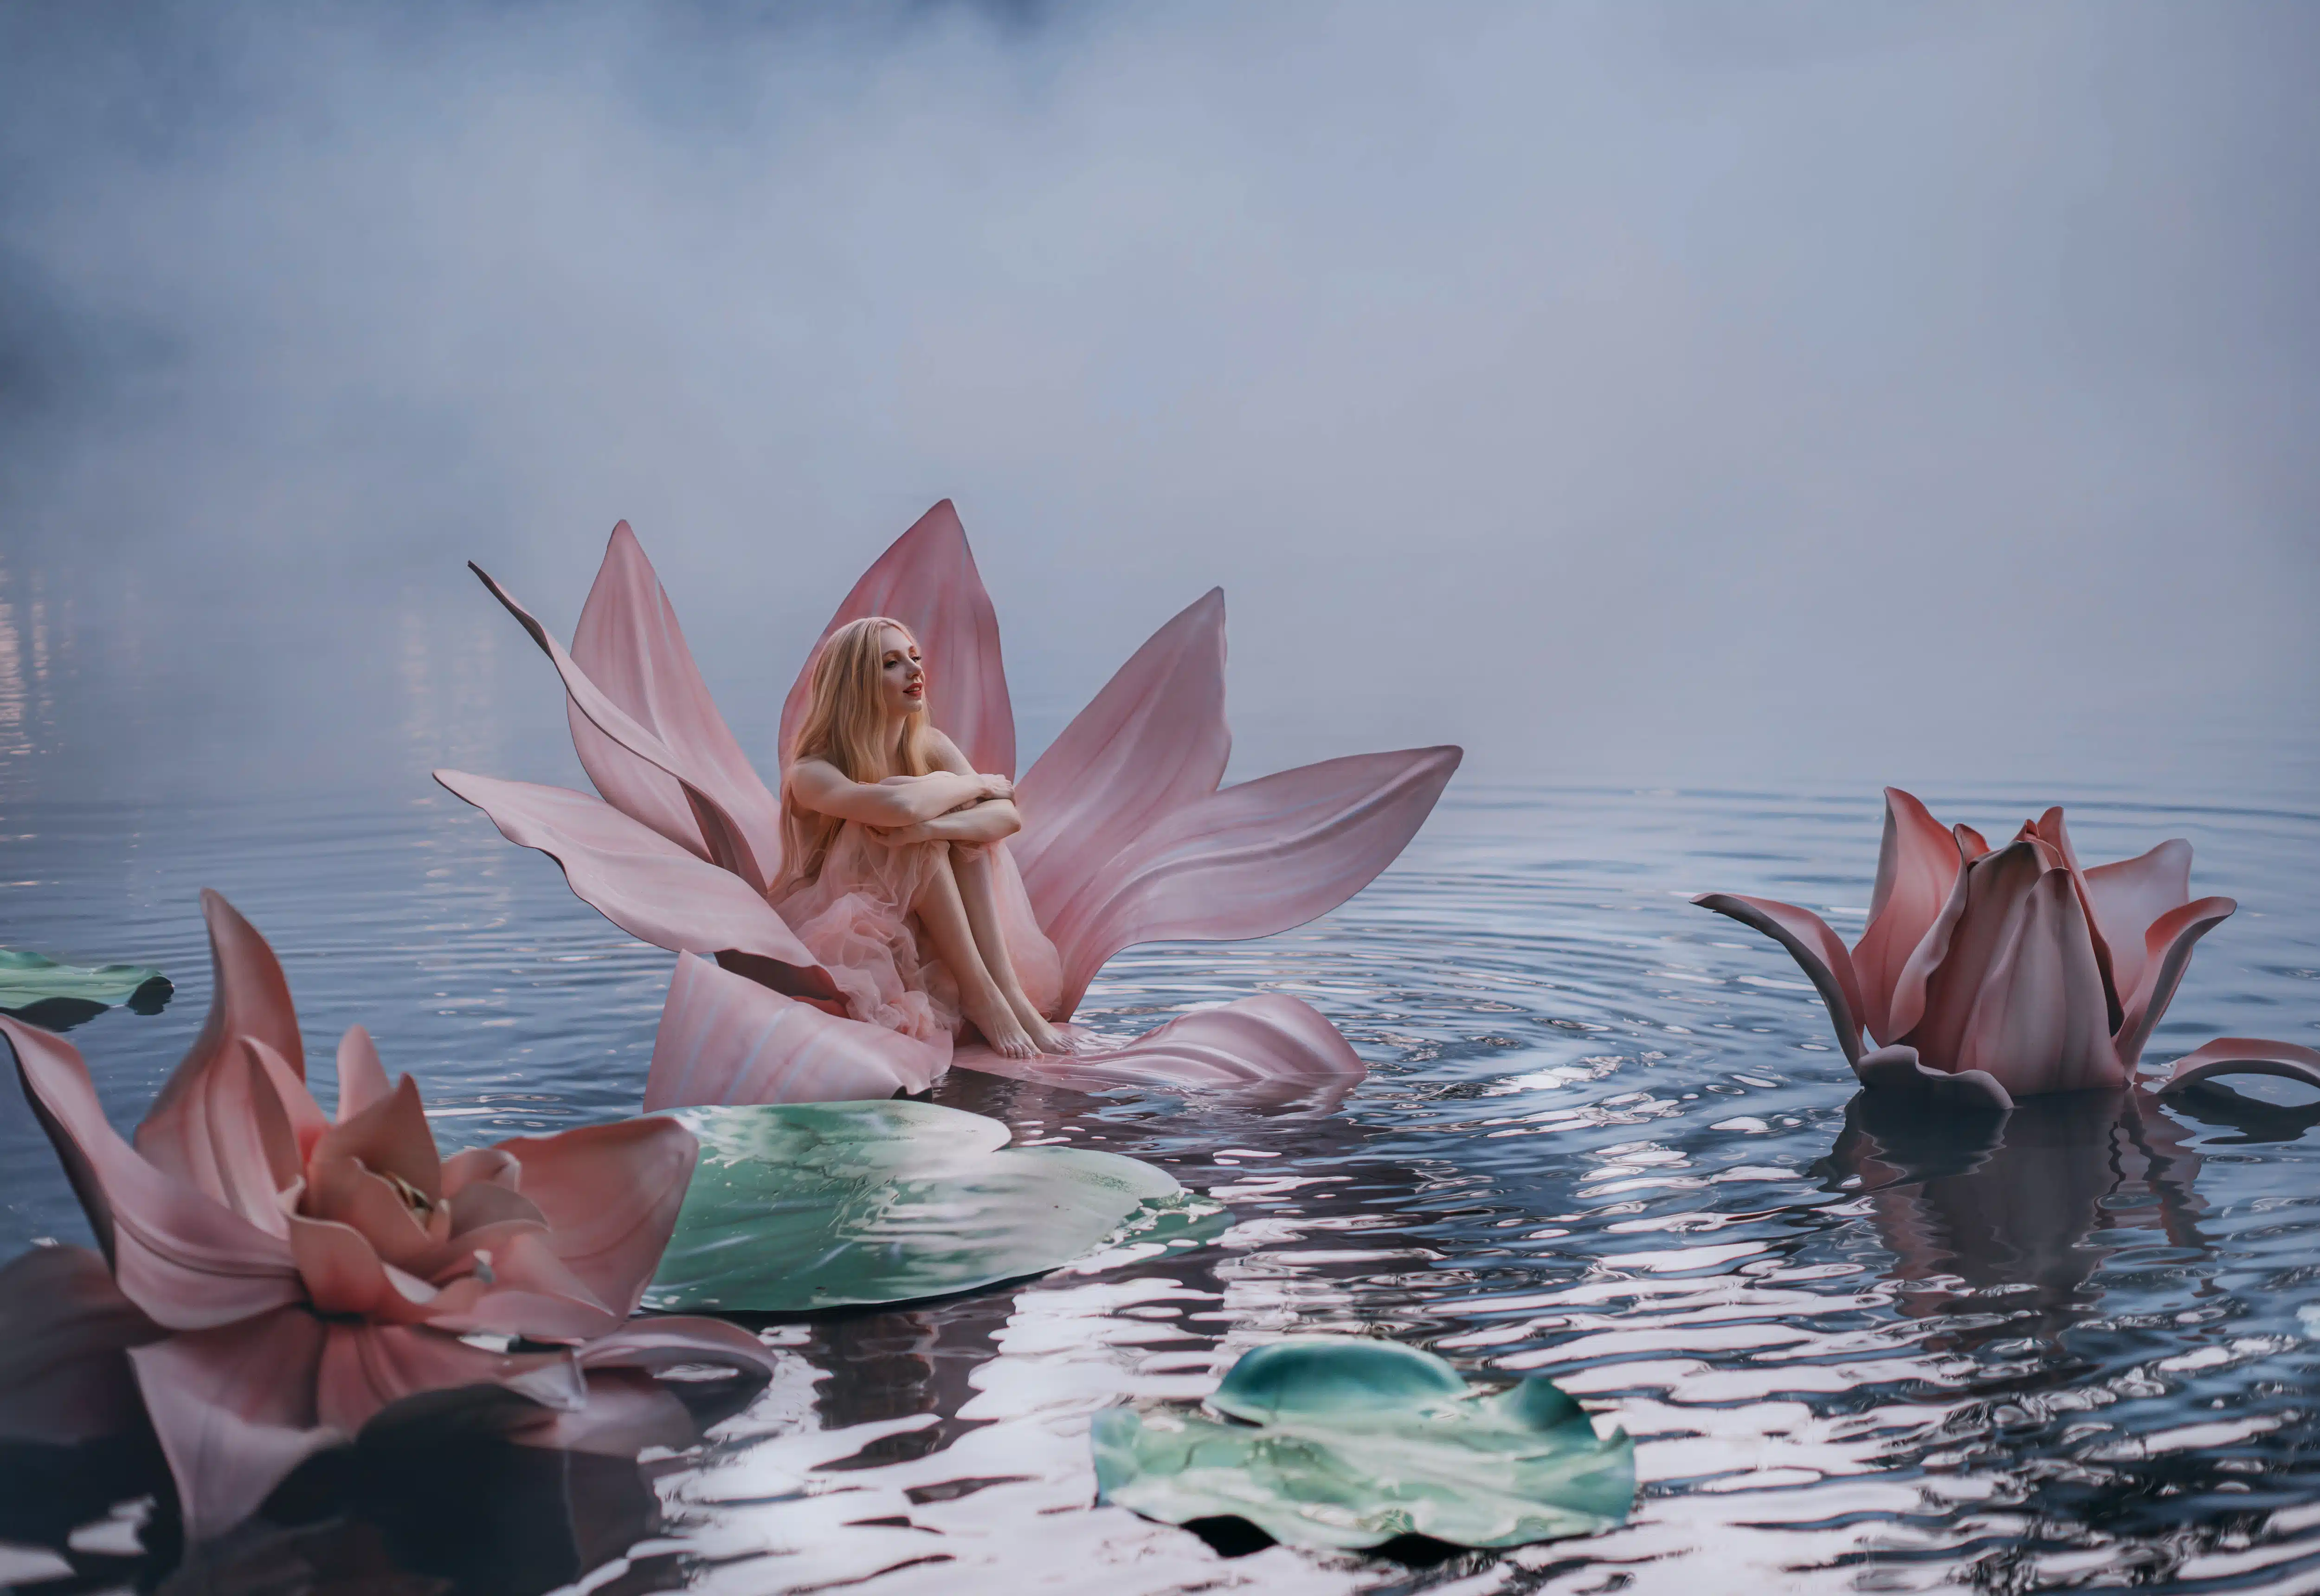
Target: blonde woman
<point>891,877</point>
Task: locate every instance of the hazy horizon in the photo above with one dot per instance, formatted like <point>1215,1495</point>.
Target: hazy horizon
<point>1736,396</point>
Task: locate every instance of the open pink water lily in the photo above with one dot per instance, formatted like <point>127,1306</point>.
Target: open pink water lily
<point>1988,974</point>
<point>309,1271</point>
<point>1127,837</point>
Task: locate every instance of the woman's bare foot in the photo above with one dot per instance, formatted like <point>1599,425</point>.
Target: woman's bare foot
<point>1045,1037</point>
<point>995,1017</point>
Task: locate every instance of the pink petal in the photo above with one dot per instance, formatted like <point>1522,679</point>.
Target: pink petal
<point>183,1257</point>
<point>1154,740</point>
<point>629,643</point>
<point>2166,955</point>
<point>749,852</point>
<point>629,1409</point>
<point>481,1203</point>
<point>1818,951</point>
<point>610,1194</point>
<point>64,1325</point>
<point>1269,1051</point>
<point>480,1165</point>
<point>2243,1055</point>
<point>2017,990</point>
<point>643,882</point>
<point>1899,1071</point>
<point>343,1191</point>
<point>285,1123</point>
<point>366,1368</point>
<point>926,580</point>
<point>2049,828</point>
<point>234,1409</point>
<point>390,1137</point>
<point>1917,867</point>
<point>2128,896</point>
<point>1971,844</point>
<point>199,1128</point>
<point>724,1039</point>
<point>344,1275</point>
<point>362,1079</point>
<point>1251,860</point>
<point>534,1294</point>
<point>660,1344</point>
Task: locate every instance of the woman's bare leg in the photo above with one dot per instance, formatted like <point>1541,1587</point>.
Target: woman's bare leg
<point>972,867</point>
<point>943,916</point>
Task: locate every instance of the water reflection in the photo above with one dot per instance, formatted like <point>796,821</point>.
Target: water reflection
<point>1856,1355</point>
<point>2014,1204</point>
<point>439,1495</point>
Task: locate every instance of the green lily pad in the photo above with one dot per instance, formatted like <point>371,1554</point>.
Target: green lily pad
<point>1351,1443</point>
<point>796,1207</point>
<point>36,987</point>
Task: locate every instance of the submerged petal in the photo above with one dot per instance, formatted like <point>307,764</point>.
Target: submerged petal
<point>64,1327</point>
<point>181,1257</point>
<point>1818,951</point>
<point>1917,867</point>
<point>725,1039</point>
<point>1251,860</point>
<point>234,1409</point>
<point>1270,1050</point>
<point>628,642</point>
<point>1899,1072</point>
<point>2017,990</point>
<point>643,882</point>
<point>201,1127</point>
<point>1154,740</point>
<point>2129,896</point>
<point>610,1194</point>
<point>926,580</point>
<point>751,852</point>
<point>2166,955</point>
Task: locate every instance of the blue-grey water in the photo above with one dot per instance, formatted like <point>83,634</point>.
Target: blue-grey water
<point>1605,1137</point>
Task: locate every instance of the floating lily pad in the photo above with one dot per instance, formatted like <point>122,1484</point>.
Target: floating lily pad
<point>35,988</point>
<point>1352,1443</point>
<point>795,1207</point>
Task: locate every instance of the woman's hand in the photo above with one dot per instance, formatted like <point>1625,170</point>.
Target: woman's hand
<point>997,787</point>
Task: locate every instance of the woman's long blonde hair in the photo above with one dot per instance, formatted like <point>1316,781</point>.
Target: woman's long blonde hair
<point>845,725</point>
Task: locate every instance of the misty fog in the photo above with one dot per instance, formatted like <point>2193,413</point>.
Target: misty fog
<point>1696,393</point>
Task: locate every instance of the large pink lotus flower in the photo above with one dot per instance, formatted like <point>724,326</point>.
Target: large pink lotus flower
<point>1126,837</point>
<point>1988,974</point>
<point>314,1270</point>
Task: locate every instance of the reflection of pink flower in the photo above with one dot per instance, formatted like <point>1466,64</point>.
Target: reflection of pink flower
<point>1994,973</point>
<point>1127,837</point>
<point>316,1271</point>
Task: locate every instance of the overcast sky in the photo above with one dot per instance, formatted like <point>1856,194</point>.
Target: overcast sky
<point>1736,394</point>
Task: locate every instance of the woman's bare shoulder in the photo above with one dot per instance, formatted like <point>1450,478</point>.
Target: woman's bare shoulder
<point>811,772</point>
<point>945,753</point>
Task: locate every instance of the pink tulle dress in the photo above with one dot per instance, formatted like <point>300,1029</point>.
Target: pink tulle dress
<point>854,918</point>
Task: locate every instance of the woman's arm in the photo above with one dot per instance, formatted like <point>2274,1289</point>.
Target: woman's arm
<point>902,801</point>
<point>988,821</point>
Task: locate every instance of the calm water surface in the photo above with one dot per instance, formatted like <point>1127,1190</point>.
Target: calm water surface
<point>1606,1136</point>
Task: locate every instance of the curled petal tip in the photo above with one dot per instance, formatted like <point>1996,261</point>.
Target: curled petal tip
<point>2242,1056</point>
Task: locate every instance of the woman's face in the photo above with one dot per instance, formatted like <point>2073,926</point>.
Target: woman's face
<point>904,677</point>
